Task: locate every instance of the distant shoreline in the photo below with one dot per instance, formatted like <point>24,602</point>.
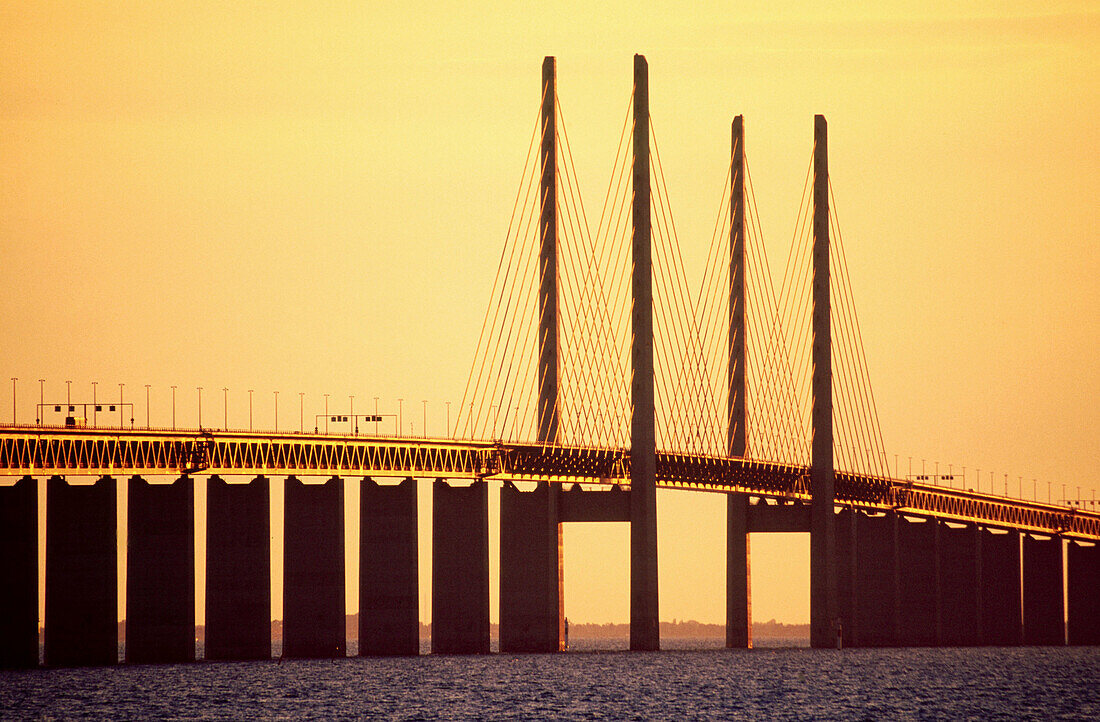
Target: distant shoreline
<point>676,629</point>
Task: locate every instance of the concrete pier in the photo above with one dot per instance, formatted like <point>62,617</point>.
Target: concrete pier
<point>460,568</point>
<point>81,625</point>
<point>845,530</point>
<point>738,587</point>
<point>1044,599</point>
<point>1083,590</point>
<point>19,574</point>
<point>531,591</point>
<point>919,583</point>
<point>1002,597</point>
<point>960,562</point>
<point>876,581</point>
<point>238,569</point>
<point>160,572</point>
<point>313,569</point>
<point>389,587</point>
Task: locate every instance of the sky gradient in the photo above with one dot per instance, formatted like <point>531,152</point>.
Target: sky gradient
<point>264,196</point>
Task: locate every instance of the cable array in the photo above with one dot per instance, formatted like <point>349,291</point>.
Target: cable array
<point>691,330</point>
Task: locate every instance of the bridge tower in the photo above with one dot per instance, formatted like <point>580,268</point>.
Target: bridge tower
<point>644,627</point>
<point>738,591</point>
<point>823,563</point>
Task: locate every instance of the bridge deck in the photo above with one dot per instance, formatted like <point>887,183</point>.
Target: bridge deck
<point>31,451</point>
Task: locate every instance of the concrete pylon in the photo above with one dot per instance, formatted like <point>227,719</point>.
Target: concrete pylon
<point>644,626</point>
<point>738,588</point>
<point>823,587</point>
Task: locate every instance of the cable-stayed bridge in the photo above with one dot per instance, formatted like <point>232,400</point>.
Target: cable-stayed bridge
<point>597,364</point>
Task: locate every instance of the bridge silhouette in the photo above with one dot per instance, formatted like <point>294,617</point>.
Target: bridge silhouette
<point>596,392</point>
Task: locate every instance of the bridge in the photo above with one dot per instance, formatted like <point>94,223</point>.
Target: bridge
<point>598,426</point>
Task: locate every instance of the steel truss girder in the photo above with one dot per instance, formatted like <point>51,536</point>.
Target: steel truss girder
<point>31,451</point>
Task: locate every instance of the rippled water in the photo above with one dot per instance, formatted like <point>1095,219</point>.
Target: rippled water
<point>764,683</point>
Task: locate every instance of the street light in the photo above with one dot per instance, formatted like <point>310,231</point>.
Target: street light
<point>200,407</point>
<point>376,415</point>
<point>424,420</point>
<point>448,419</point>
<point>146,406</point>
<point>399,416</point>
<point>250,409</point>
<point>13,380</point>
<point>121,418</point>
<point>173,408</point>
<point>276,411</point>
<point>225,408</point>
<point>326,413</point>
<point>95,408</point>
<point>302,411</point>
<point>41,400</point>
<point>351,407</point>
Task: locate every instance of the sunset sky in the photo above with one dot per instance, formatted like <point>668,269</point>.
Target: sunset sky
<point>312,197</point>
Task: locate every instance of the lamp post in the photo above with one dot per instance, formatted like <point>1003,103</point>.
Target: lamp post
<point>200,407</point>
<point>121,403</point>
<point>41,400</point>
<point>351,411</point>
<point>225,408</point>
<point>326,413</point>
<point>448,419</point>
<point>250,409</point>
<point>424,420</point>
<point>147,406</point>
<point>13,380</point>
<point>376,415</point>
<point>399,401</point>
<point>95,405</point>
<point>301,412</point>
<point>69,399</point>
<point>173,408</point>
<point>276,411</point>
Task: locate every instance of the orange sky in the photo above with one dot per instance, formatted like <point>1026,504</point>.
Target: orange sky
<point>272,197</point>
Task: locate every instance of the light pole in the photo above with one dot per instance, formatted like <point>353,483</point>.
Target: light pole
<point>376,415</point>
<point>301,412</point>
<point>399,416</point>
<point>121,403</point>
<point>69,398</point>
<point>276,411</point>
<point>13,380</point>
<point>250,409</point>
<point>351,407</point>
<point>95,408</point>
<point>147,406</point>
<point>173,408</point>
<point>200,407</point>
<point>448,419</point>
<point>326,413</point>
<point>424,420</point>
<point>225,408</point>
<point>41,400</point>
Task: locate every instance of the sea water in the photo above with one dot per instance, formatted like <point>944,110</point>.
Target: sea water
<point>690,679</point>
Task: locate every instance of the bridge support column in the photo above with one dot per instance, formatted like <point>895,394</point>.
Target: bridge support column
<point>738,587</point>
<point>919,580</point>
<point>389,588</point>
<point>160,572</point>
<point>531,601</point>
<point>238,569</point>
<point>460,568</point>
<point>19,574</point>
<point>81,623</point>
<point>645,631</point>
<point>876,581</point>
<point>960,561</point>
<point>1083,587</point>
<point>845,575</point>
<point>1002,595</point>
<point>1044,601</point>
<point>823,591</point>
<point>313,569</point>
